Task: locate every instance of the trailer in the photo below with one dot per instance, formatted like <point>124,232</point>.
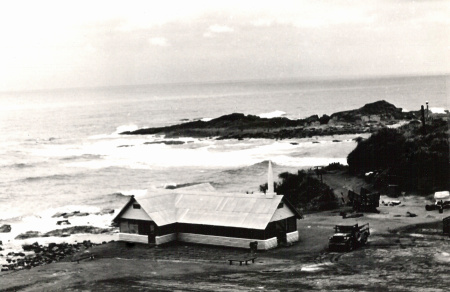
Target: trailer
<point>348,237</point>
<point>365,201</point>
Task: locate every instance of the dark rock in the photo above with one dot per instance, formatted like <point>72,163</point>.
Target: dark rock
<point>240,126</point>
<point>81,214</point>
<point>63,222</point>
<point>59,214</point>
<point>105,211</point>
<point>29,234</point>
<point>324,119</point>
<point>165,142</point>
<point>67,215</point>
<point>77,229</point>
<point>5,228</point>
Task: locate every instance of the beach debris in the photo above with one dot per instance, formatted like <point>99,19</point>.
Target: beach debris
<point>391,203</point>
<point>355,215</point>
<point>409,214</point>
<point>5,228</point>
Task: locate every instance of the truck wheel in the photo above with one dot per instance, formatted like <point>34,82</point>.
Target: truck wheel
<point>349,246</point>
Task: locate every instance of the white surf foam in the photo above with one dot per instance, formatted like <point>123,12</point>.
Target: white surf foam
<point>274,114</point>
<point>133,153</point>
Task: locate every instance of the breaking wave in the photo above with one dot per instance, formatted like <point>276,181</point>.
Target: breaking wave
<point>82,157</point>
<point>274,114</point>
<point>48,177</point>
<point>18,165</point>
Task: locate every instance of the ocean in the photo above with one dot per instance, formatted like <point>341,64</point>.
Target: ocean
<point>60,150</point>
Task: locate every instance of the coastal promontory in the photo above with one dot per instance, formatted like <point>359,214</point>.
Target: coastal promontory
<point>368,118</point>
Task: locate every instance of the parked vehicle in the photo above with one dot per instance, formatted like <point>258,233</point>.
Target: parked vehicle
<point>365,201</point>
<point>349,237</point>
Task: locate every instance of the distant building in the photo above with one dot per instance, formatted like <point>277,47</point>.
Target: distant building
<point>199,214</point>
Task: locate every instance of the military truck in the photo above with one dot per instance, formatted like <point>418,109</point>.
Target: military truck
<point>348,237</point>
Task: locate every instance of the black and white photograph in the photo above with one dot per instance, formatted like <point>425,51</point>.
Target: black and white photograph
<point>225,145</point>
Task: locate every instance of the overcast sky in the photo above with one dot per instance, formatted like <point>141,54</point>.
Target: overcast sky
<point>59,44</point>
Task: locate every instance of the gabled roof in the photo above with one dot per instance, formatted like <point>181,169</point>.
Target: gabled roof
<point>253,211</point>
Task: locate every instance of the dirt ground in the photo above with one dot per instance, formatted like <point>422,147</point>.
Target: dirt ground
<point>403,254</point>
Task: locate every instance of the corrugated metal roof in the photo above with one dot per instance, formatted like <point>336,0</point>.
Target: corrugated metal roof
<point>252,211</point>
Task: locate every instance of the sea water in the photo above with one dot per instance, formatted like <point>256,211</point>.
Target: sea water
<point>61,150</point>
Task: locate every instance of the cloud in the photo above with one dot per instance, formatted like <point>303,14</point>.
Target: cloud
<point>220,28</point>
<point>215,29</point>
<point>158,41</point>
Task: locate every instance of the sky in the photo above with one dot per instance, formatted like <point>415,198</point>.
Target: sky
<point>64,44</point>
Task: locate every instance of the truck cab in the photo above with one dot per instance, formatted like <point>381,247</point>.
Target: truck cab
<point>348,237</point>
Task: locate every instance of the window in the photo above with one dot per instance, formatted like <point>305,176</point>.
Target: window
<point>133,228</point>
<point>136,206</point>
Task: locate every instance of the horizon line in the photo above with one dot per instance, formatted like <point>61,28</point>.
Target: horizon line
<point>225,81</point>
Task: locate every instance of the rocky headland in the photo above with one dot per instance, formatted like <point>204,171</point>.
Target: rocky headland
<point>369,118</point>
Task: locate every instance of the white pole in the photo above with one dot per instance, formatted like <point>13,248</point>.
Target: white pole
<point>270,179</point>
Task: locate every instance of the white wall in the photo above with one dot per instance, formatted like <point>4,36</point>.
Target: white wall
<point>133,238</point>
<point>136,214</point>
<point>292,237</point>
<point>165,238</point>
<point>227,241</point>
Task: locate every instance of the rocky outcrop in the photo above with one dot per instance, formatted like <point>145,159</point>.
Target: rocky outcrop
<point>42,255</point>
<point>78,213</point>
<point>369,118</point>
<point>377,111</point>
<point>65,232</point>
<point>5,228</point>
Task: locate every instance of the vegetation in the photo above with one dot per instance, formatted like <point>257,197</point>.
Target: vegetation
<point>413,157</point>
<point>304,191</point>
